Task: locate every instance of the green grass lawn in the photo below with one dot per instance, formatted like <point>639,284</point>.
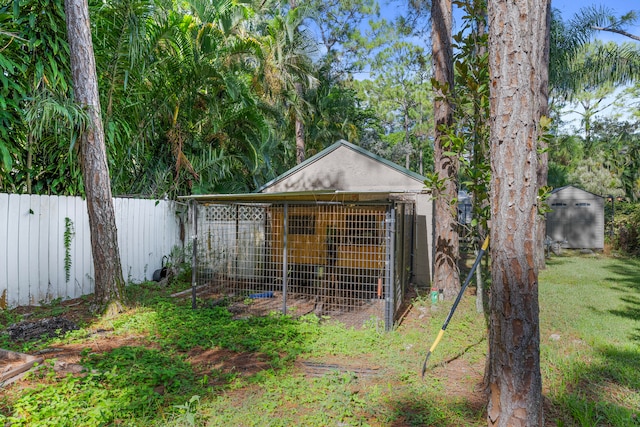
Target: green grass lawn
<point>590,321</point>
<point>590,334</point>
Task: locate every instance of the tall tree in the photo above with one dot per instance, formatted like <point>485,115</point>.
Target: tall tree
<point>299,123</point>
<point>399,92</point>
<point>446,274</point>
<point>592,97</point>
<point>109,282</point>
<point>518,33</point>
<point>340,25</point>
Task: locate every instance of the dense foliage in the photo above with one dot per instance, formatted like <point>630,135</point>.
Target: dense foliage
<point>197,96</point>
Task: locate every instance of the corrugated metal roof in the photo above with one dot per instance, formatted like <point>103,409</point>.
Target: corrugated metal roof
<point>338,144</point>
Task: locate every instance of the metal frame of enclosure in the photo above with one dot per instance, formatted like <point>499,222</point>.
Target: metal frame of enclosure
<point>348,256</point>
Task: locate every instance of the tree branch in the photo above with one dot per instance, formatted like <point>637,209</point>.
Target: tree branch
<point>617,31</point>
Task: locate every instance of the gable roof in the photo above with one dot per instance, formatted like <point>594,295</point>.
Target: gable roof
<point>573,187</point>
<point>347,167</point>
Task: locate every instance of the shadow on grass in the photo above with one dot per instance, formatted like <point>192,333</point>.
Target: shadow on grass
<point>627,275</point>
<point>557,261</point>
<point>436,411</point>
<point>603,392</point>
<point>278,338</point>
<point>125,383</point>
<point>627,279</point>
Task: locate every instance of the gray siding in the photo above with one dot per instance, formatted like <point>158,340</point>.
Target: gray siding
<point>577,216</point>
<point>345,167</point>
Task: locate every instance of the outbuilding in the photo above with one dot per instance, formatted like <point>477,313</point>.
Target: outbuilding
<point>345,167</point>
<point>343,234</point>
<point>576,218</point>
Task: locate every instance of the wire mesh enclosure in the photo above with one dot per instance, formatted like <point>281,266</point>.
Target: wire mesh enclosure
<point>351,262</point>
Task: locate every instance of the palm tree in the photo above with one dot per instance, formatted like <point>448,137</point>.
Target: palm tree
<point>286,71</point>
<point>181,110</point>
<point>612,63</point>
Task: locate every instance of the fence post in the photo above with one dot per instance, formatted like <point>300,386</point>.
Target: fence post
<point>194,217</point>
<point>390,235</point>
<point>285,264</point>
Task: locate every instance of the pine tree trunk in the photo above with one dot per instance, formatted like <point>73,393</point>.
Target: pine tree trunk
<point>517,39</point>
<point>109,281</point>
<point>299,125</point>
<point>446,274</point>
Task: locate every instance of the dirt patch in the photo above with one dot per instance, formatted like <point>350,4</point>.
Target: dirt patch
<point>462,379</point>
<point>65,358</point>
<point>75,310</point>
<point>219,363</point>
<point>13,365</point>
<point>265,303</point>
<point>270,302</point>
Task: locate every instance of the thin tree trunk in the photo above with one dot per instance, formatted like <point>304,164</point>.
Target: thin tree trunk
<point>446,273</point>
<point>109,282</point>
<point>300,145</point>
<point>407,139</point>
<point>29,162</point>
<point>518,34</point>
<point>299,125</point>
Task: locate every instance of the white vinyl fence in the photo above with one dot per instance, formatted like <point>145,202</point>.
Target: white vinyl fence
<point>45,246</point>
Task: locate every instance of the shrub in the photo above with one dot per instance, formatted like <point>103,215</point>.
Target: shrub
<point>627,226</point>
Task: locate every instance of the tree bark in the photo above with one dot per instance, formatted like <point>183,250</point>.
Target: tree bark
<point>109,282</point>
<point>300,145</point>
<point>299,123</point>
<point>446,273</point>
<point>517,37</point>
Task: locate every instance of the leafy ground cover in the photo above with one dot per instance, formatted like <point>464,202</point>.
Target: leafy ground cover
<point>162,363</point>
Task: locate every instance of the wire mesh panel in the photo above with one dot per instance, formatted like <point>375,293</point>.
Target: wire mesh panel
<point>335,255</point>
<point>330,259</point>
<point>231,251</point>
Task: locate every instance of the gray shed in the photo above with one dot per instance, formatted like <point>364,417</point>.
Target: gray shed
<point>577,217</point>
<point>346,167</point>
<point>465,208</point>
